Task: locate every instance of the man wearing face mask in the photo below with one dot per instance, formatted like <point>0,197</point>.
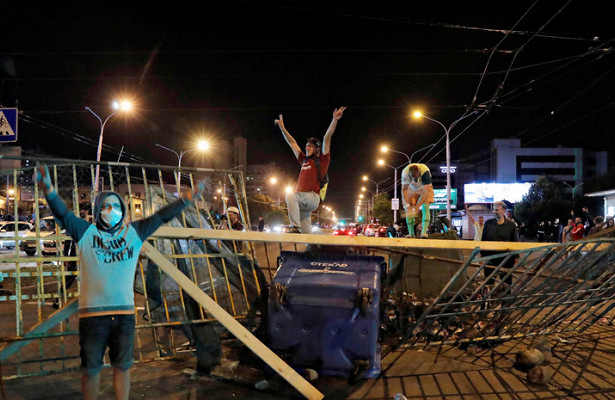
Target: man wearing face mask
<point>499,229</point>
<point>306,197</point>
<point>108,252</point>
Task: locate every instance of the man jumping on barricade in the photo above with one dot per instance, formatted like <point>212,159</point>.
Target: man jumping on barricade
<point>306,197</point>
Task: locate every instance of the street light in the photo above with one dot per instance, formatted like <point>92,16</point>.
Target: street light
<point>366,178</point>
<point>202,145</point>
<point>123,106</point>
<point>417,115</point>
<point>573,188</point>
<point>381,162</point>
<point>385,149</point>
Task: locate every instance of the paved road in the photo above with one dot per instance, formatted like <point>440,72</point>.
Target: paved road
<point>584,369</point>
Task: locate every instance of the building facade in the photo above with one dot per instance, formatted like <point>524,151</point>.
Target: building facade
<point>572,166</point>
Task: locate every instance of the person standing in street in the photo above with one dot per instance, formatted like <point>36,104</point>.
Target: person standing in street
<point>478,225</point>
<point>567,232</point>
<point>579,229</point>
<point>417,195</point>
<point>261,224</point>
<point>108,252</point>
<point>314,165</point>
<point>499,229</point>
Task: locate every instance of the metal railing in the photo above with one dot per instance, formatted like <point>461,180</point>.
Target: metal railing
<point>548,289</point>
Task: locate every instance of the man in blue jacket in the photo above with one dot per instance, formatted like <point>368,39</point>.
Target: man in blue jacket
<point>108,252</point>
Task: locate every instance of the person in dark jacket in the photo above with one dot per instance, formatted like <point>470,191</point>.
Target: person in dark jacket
<point>499,229</point>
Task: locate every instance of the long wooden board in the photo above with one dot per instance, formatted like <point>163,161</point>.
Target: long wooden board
<point>223,234</point>
<point>63,313</point>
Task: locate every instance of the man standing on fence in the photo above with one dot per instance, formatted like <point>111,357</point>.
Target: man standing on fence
<point>108,252</point>
<point>417,191</point>
<point>315,160</point>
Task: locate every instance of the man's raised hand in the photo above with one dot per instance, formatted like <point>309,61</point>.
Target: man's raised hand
<point>337,114</point>
<point>280,122</point>
<point>42,178</point>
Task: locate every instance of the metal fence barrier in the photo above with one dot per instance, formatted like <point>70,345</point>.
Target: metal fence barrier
<point>548,289</point>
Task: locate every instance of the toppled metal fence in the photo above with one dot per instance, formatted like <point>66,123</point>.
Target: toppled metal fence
<point>547,290</point>
<point>39,267</point>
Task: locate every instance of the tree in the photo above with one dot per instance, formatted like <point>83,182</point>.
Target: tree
<point>543,202</point>
<point>382,208</point>
<point>263,206</point>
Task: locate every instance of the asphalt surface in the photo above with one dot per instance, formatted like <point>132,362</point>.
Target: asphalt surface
<point>583,367</point>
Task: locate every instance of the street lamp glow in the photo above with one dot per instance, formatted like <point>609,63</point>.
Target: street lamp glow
<point>417,114</point>
<point>384,149</point>
<point>365,177</point>
<point>203,145</point>
<point>288,189</point>
<point>363,188</point>
<point>273,180</point>
<point>380,162</point>
<point>199,146</point>
<point>123,105</point>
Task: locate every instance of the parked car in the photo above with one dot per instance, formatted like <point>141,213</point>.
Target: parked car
<point>381,231</point>
<point>344,231</point>
<point>370,230</point>
<point>7,232</point>
<point>47,227</point>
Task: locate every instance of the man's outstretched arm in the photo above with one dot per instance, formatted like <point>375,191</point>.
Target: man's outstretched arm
<point>289,139</point>
<point>326,141</point>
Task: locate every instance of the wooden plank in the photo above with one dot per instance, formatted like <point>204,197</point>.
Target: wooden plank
<point>241,333</point>
<point>363,241</point>
<point>60,315</point>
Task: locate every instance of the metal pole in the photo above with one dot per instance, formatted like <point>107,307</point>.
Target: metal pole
<point>100,142</point>
<point>448,177</point>
<point>395,197</point>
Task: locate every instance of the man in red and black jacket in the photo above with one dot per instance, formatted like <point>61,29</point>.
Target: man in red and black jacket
<point>306,197</point>
<point>578,230</point>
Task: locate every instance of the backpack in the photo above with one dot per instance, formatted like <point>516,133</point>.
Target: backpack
<point>324,180</point>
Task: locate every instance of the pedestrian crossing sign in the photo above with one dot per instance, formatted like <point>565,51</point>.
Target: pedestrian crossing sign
<point>8,125</point>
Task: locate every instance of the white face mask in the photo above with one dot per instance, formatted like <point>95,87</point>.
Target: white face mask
<point>111,217</point>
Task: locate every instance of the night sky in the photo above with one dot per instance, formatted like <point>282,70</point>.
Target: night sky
<point>229,68</point>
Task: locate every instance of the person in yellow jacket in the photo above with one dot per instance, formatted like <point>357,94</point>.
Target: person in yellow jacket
<point>416,185</point>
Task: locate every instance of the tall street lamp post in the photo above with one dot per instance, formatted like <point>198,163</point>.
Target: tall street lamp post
<point>117,107</point>
<point>202,146</point>
<point>381,162</point>
<point>418,114</point>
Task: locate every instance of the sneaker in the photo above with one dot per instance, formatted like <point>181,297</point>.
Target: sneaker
<point>424,236</point>
<point>294,229</point>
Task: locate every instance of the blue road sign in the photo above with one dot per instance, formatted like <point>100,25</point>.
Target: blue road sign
<point>8,125</point>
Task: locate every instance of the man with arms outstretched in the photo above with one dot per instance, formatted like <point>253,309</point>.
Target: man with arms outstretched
<point>306,197</point>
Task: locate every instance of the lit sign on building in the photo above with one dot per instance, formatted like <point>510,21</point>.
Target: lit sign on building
<point>439,202</point>
<point>443,169</point>
<point>490,192</point>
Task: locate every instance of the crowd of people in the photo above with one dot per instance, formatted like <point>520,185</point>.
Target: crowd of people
<point>577,227</point>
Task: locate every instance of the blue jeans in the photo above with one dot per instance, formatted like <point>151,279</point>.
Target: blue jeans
<point>97,333</point>
<point>300,206</point>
